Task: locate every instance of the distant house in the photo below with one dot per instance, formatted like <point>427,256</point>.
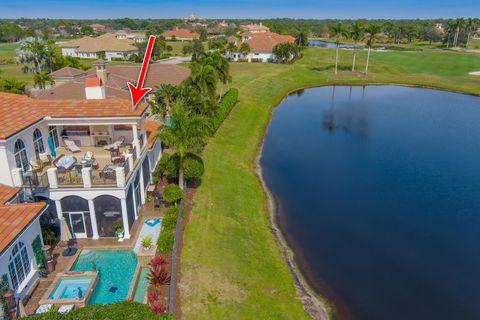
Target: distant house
<point>135,36</point>
<point>87,47</point>
<point>97,27</point>
<point>255,28</point>
<point>477,34</point>
<point>66,74</point>
<point>439,28</point>
<point>181,34</point>
<point>261,46</point>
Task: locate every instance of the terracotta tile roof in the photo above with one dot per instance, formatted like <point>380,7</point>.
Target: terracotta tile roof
<point>255,27</point>
<point>27,111</point>
<point>181,33</point>
<point>264,42</point>
<point>16,216</point>
<point>67,72</point>
<point>117,77</point>
<point>151,127</point>
<point>105,42</point>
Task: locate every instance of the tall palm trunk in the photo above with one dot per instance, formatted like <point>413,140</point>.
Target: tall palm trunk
<point>354,55</point>
<point>448,39</point>
<point>180,173</point>
<point>368,60</point>
<point>336,60</point>
<point>468,39</point>
<point>455,39</point>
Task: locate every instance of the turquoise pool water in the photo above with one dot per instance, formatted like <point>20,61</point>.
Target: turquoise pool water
<point>115,271</point>
<point>70,287</point>
<point>141,286</point>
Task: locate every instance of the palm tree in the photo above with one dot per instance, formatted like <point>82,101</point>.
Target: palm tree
<point>372,31</point>
<point>231,47</point>
<point>203,78</point>
<point>40,79</point>
<point>302,40</point>
<point>165,96</point>
<point>470,27</point>
<point>50,52</point>
<point>34,52</point>
<point>244,48</point>
<point>187,132</point>
<point>337,32</point>
<point>356,34</point>
<point>458,26</point>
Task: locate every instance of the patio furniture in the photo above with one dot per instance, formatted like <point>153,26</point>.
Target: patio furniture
<point>70,251</point>
<point>115,145</point>
<point>35,166</point>
<point>88,155</point>
<point>64,163</point>
<point>66,308</point>
<point>44,308</point>
<point>108,172</point>
<point>71,146</point>
<point>157,200</point>
<point>44,158</point>
<point>118,160</point>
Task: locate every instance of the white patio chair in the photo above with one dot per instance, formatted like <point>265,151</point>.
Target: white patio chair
<point>66,308</point>
<point>71,146</point>
<point>44,308</point>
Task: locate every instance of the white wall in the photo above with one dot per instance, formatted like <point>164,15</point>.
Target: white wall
<point>265,56</point>
<point>27,238</point>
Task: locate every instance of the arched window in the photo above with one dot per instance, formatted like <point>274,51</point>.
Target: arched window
<point>108,210</point>
<point>19,264</point>
<point>20,155</point>
<point>38,142</point>
<point>52,132</point>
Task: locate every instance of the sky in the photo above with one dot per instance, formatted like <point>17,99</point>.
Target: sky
<point>239,8</point>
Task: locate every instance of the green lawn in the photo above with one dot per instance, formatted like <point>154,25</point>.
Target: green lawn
<point>7,50</point>
<point>231,265</point>
<point>474,44</point>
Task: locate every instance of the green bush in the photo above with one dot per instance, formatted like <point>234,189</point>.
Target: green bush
<point>172,193</point>
<point>116,311</point>
<point>171,211</point>
<point>169,222</point>
<point>242,60</point>
<point>165,241</point>
<point>192,166</point>
<point>161,167</point>
<point>225,105</point>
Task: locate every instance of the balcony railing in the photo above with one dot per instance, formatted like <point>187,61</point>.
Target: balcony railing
<point>70,178</point>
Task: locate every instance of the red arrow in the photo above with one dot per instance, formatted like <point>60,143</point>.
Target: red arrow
<point>138,92</point>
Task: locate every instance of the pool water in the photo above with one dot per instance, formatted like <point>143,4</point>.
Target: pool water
<point>115,271</point>
<point>141,286</point>
<point>70,287</point>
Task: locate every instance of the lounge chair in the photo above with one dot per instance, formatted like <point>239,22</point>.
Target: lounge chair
<point>66,308</point>
<point>44,308</point>
<point>117,144</point>
<point>70,251</point>
<point>71,146</point>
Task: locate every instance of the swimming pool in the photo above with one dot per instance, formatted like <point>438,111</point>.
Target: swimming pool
<point>141,286</point>
<point>70,287</point>
<point>115,271</point>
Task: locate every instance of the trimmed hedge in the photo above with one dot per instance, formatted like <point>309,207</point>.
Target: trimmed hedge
<point>225,105</point>
<point>116,311</point>
<point>192,166</point>
<point>161,167</point>
<point>169,222</point>
<point>172,193</point>
<point>165,241</point>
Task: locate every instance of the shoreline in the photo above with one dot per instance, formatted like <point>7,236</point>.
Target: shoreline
<point>316,306</point>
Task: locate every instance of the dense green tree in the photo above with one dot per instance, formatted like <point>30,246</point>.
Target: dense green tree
<point>301,40</point>
<point>244,48</point>
<point>41,79</point>
<point>12,85</point>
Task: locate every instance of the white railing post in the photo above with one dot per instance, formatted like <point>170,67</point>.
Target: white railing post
<point>17,176</point>
<point>52,175</point>
<point>129,157</point>
<point>87,177</point>
<point>120,173</point>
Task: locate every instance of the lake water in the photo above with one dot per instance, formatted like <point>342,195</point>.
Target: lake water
<point>327,44</point>
<point>379,195</point>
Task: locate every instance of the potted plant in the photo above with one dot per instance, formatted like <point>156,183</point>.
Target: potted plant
<point>118,227</point>
<point>147,242</point>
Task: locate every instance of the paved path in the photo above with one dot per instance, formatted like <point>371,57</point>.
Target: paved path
<point>147,230</point>
<point>174,60</point>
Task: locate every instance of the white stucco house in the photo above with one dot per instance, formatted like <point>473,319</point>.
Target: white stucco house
<point>261,46</point>
<point>87,47</point>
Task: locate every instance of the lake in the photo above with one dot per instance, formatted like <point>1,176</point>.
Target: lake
<point>378,190</point>
<point>327,44</point>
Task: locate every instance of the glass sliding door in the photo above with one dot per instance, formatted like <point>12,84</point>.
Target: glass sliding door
<point>77,223</point>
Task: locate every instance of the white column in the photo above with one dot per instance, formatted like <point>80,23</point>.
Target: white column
<point>17,177</point>
<point>58,206</point>
<point>136,143</point>
<point>120,174</point>
<point>144,133</point>
<point>125,219</point>
<point>129,157</point>
<point>52,177</point>
<point>87,177</point>
<point>142,190</point>
<point>134,199</point>
<point>93,220</point>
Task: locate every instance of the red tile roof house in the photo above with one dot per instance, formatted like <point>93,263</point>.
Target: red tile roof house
<point>181,34</point>
<point>91,159</point>
<point>261,46</point>
<point>20,233</point>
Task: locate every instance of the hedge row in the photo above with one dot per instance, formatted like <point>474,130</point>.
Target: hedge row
<point>169,223</point>
<point>226,105</point>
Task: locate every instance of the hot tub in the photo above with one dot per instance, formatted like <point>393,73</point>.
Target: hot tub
<point>71,288</point>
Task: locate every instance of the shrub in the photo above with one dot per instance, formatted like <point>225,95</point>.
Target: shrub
<point>147,241</point>
<point>192,166</point>
<point>171,211</point>
<point>165,241</point>
<point>169,222</point>
<point>172,193</point>
<point>161,167</point>
<point>225,105</point>
<point>242,60</point>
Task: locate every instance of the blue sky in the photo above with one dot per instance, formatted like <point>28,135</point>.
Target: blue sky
<point>240,8</point>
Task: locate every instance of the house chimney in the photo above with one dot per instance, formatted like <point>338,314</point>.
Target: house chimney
<point>94,89</point>
<point>101,68</point>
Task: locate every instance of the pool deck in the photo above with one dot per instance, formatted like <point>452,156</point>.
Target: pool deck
<point>63,264</point>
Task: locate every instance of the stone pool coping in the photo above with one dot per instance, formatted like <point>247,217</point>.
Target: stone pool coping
<point>75,301</point>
